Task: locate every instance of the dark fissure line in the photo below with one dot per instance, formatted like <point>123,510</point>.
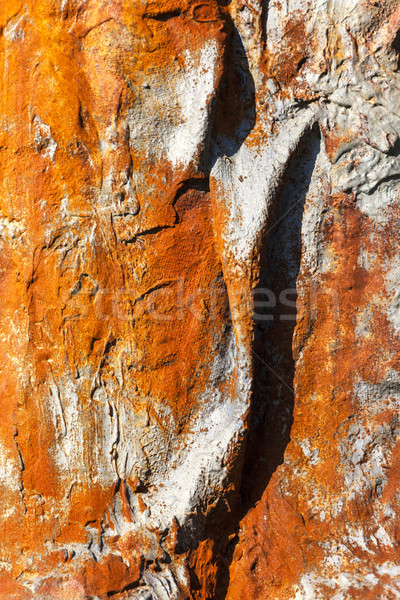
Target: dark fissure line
<point>194,183</point>
<point>164,16</point>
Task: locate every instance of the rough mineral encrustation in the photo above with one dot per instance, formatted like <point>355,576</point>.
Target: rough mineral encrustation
<point>199,226</point>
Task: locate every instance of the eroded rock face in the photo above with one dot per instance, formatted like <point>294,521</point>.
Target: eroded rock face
<point>175,173</point>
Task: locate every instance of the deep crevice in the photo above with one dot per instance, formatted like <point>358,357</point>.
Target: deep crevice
<point>273,397</point>
<point>127,588</point>
<point>164,16</point>
<point>275,322</point>
<point>396,48</point>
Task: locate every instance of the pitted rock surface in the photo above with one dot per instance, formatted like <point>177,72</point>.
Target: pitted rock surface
<point>200,308</point>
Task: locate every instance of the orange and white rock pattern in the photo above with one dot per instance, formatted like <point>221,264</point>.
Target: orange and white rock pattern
<point>199,299</point>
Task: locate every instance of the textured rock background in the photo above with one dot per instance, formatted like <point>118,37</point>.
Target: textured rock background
<point>175,424</point>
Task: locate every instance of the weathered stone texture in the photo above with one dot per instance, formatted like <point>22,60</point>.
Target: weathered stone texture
<point>199,228</point>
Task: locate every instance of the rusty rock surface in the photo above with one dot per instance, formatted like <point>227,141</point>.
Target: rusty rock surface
<point>200,308</point>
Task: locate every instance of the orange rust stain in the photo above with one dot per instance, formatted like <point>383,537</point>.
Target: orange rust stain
<point>277,545</point>
<point>71,75</point>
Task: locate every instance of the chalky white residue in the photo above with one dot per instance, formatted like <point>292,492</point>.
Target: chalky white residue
<point>198,471</point>
<point>248,182</point>
<point>311,454</point>
<point>43,139</point>
<point>12,230</point>
<point>365,454</point>
<point>342,570</point>
<point>364,325</point>
<point>70,425</point>
<point>392,279</point>
<point>367,259</point>
<point>313,251</point>
<point>212,435</point>
<point>195,93</point>
<point>9,473</point>
<point>389,568</point>
<point>14,31</point>
<point>313,585</point>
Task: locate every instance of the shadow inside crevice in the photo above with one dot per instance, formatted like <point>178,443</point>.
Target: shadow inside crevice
<point>235,110</point>
<point>275,320</point>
